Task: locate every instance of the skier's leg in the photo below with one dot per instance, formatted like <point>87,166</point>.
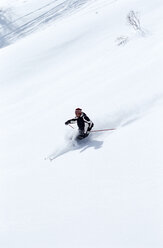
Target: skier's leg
<point>82,135</point>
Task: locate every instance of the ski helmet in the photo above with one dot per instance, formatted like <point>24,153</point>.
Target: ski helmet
<point>78,112</point>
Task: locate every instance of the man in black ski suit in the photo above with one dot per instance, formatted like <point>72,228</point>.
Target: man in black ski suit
<point>84,123</point>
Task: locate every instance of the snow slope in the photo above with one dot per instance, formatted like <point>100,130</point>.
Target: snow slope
<point>106,192</point>
<point>19,18</point>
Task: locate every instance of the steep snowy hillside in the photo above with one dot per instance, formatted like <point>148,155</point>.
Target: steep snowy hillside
<point>19,18</point>
<point>105,57</point>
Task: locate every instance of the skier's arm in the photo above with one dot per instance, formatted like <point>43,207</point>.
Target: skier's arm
<point>87,123</point>
<point>71,121</point>
<point>86,127</point>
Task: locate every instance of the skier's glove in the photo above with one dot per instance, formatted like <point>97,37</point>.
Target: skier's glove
<point>67,122</point>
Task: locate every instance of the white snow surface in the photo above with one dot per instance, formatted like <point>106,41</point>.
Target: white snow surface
<point>106,191</point>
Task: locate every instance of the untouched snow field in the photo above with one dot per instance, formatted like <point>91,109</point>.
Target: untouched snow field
<point>106,57</point>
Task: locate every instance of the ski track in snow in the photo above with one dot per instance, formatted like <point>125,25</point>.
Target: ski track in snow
<point>44,15</point>
<point>118,120</point>
<point>13,29</point>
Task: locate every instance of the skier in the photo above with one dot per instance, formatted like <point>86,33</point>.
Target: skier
<point>84,123</point>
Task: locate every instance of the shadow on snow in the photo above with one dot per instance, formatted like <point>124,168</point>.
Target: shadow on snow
<point>73,145</point>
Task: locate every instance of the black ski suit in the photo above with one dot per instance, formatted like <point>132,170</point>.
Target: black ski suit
<point>84,125</point>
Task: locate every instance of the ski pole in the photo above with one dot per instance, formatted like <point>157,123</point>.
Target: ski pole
<point>102,130</point>
<point>71,126</point>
